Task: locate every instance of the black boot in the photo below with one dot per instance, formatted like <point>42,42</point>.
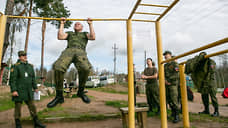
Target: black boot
<point>58,99</point>
<point>215,114</point>
<point>176,116</point>
<point>18,123</point>
<point>158,112</point>
<point>37,123</point>
<point>83,96</point>
<point>206,111</point>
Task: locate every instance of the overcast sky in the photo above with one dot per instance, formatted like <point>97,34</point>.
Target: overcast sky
<point>190,24</point>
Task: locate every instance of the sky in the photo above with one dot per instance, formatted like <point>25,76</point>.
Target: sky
<point>187,26</point>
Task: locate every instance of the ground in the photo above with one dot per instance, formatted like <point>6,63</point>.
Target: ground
<point>76,114</point>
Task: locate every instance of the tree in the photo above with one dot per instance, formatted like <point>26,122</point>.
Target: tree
<point>50,8</point>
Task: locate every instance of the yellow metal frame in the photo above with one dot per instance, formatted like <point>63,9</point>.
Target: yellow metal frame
<point>182,74</point>
<point>3,19</point>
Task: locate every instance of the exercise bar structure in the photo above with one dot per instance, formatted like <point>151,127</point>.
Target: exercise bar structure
<point>131,110</point>
<point>184,98</point>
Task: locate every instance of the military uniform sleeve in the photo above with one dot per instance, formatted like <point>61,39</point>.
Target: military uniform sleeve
<point>86,34</point>
<point>69,34</point>
<point>13,78</point>
<point>155,70</point>
<point>212,65</point>
<point>176,67</point>
<point>34,85</point>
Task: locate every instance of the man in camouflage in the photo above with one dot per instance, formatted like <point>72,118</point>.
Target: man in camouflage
<point>171,82</point>
<point>152,90</point>
<point>22,82</point>
<point>74,53</point>
<point>210,89</point>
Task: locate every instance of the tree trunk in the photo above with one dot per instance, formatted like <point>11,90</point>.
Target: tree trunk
<point>11,53</point>
<point>42,50</point>
<point>28,26</point>
<point>8,11</point>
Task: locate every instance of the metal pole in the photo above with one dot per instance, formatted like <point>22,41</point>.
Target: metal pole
<point>3,19</point>
<point>184,98</point>
<point>144,59</point>
<point>131,109</point>
<point>114,72</point>
<point>161,77</point>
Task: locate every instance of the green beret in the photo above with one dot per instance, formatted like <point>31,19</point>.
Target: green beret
<point>167,52</point>
<point>22,53</point>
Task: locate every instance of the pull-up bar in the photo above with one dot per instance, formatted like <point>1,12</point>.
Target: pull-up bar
<point>167,10</point>
<point>46,18</point>
<point>216,43</point>
<point>210,55</point>
<point>154,5</point>
<point>146,13</point>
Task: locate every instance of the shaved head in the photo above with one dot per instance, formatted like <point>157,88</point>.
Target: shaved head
<point>78,27</point>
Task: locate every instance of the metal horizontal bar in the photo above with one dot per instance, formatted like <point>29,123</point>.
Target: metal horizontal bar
<point>210,55</point>
<point>143,20</point>
<point>46,18</point>
<point>146,13</point>
<point>134,9</point>
<point>167,10</point>
<point>216,43</point>
<point>164,6</point>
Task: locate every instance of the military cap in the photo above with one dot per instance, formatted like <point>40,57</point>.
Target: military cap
<point>22,53</point>
<point>167,52</point>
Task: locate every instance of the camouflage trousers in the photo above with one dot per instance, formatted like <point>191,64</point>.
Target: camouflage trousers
<point>31,107</point>
<point>79,58</point>
<point>172,96</point>
<point>205,99</point>
<point>152,95</point>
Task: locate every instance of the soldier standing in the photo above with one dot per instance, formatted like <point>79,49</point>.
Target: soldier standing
<point>171,82</point>
<point>22,82</point>
<point>209,88</point>
<point>74,53</point>
<point>152,90</point>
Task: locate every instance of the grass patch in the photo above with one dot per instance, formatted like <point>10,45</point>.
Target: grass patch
<point>117,103</point>
<point>109,90</point>
<point>6,102</point>
<point>207,118</point>
<point>59,113</point>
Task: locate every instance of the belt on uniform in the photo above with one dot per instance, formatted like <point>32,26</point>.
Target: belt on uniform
<point>78,47</point>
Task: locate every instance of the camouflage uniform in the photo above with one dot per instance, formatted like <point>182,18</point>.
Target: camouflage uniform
<point>152,90</point>
<point>172,76</point>
<point>74,53</point>
<point>203,75</point>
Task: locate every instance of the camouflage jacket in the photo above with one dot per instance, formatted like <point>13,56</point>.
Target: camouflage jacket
<point>172,72</point>
<point>202,73</point>
<point>77,40</point>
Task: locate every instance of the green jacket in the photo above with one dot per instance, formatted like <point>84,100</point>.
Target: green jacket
<point>202,72</point>
<point>22,80</point>
<point>77,40</point>
<point>172,72</point>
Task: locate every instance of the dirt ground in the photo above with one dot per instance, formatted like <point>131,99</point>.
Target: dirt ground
<point>97,106</point>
